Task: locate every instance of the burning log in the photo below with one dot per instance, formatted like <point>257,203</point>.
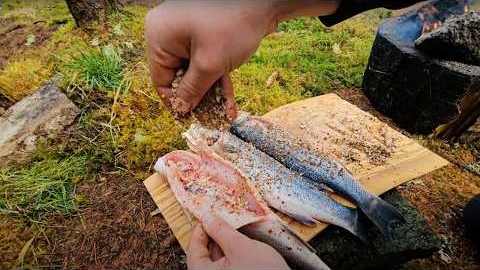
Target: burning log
<point>468,112</point>
<point>472,135</point>
<point>419,91</point>
<point>457,39</point>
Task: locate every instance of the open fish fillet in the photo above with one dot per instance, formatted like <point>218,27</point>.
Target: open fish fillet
<point>205,183</point>
<point>301,157</point>
<point>282,188</point>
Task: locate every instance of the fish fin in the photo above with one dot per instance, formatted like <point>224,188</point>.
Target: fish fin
<point>359,227</point>
<point>324,187</point>
<point>384,215</point>
<point>297,237</point>
<point>309,221</point>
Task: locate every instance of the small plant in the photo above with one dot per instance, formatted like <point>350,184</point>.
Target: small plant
<point>45,186</point>
<point>102,69</point>
<point>30,40</point>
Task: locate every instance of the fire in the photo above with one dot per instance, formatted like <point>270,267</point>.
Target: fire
<point>428,27</point>
<point>428,15</point>
<point>431,18</point>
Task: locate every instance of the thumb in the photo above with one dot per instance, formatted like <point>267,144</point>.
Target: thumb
<point>198,255</point>
<point>197,81</point>
<point>228,238</point>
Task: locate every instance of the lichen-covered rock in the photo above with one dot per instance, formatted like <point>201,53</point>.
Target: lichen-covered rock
<point>44,114</point>
<point>458,39</point>
<point>414,239</point>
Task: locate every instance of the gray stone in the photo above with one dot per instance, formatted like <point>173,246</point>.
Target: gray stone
<point>414,239</point>
<point>44,114</point>
<point>458,39</point>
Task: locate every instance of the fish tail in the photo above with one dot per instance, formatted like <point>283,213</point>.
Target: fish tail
<point>383,215</point>
<point>358,226</point>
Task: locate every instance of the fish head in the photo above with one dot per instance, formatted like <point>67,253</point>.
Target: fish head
<point>200,138</point>
<point>180,160</point>
<point>161,166</point>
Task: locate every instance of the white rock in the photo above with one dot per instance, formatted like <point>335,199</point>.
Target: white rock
<point>44,114</point>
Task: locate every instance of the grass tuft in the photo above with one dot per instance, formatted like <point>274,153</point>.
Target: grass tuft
<point>101,69</point>
<point>45,186</point>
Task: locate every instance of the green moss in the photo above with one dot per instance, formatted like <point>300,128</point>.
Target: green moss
<point>146,128</point>
<point>23,77</point>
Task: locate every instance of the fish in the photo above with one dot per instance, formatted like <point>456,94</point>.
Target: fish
<point>281,188</point>
<point>302,157</point>
<point>205,183</point>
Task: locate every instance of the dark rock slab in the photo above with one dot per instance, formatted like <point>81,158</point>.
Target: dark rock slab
<point>458,39</point>
<point>414,239</point>
<point>417,90</point>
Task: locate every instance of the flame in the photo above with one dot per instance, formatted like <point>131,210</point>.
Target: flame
<point>429,16</point>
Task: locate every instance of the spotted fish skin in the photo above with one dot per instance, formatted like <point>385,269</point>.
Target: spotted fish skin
<point>301,157</point>
<point>279,236</point>
<point>282,188</point>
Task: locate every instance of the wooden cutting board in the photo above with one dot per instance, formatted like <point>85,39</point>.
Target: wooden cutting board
<point>378,156</point>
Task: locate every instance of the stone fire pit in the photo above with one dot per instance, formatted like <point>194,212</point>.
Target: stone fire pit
<point>417,90</point>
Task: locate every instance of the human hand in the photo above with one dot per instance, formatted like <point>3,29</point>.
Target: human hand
<point>214,38</point>
<point>231,249</point>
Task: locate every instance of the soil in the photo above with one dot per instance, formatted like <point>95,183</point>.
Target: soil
<point>116,230</point>
<point>440,196</point>
<point>13,38</point>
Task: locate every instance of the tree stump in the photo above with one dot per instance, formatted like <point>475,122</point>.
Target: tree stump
<point>86,12</point>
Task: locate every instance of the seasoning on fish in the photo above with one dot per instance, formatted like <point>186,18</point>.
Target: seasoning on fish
<point>282,188</point>
<point>303,158</point>
<point>205,183</point>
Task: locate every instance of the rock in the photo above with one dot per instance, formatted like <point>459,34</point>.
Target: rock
<point>414,239</point>
<point>44,114</point>
<point>418,91</point>
<point>458,39</point>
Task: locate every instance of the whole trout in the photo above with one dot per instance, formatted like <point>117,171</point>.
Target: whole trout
<point>282,188</point>
<point>301,157</point>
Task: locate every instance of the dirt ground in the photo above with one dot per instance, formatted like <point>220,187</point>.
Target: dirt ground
<point>13,42</point>
<point>117,231</point>
<point>13,37</point>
